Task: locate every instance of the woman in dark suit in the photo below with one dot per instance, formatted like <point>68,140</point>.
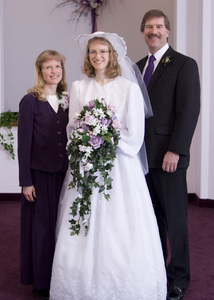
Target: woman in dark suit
<point>43,116</point>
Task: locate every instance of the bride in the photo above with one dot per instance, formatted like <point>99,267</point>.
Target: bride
<point>121,257</point>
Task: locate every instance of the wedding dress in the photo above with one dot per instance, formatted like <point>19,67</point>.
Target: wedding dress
<point>121,256</point>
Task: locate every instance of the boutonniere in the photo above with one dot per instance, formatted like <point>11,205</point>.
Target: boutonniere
<point>64,99</point>
<point>165,61</point>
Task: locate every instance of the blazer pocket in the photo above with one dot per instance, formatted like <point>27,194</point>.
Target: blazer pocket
<point>164,130</point>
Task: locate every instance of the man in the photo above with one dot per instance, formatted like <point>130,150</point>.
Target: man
<point>174,91</point>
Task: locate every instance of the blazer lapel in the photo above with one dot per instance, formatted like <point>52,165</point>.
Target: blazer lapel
<point>162,66</point>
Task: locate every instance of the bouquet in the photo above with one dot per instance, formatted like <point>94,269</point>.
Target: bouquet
<point>92,151</point>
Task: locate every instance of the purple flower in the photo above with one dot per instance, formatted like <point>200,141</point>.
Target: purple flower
<point>96,141</point>
<point>91,104</point>
<point>85,127</point>
<point>105,121</point>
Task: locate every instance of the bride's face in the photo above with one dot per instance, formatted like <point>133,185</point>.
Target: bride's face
<point>98,55</point>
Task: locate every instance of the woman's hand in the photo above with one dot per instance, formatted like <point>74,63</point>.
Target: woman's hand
<point>29,193</point>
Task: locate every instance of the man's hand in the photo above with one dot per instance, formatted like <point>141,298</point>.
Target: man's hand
<point>29,193</point>
<point>170,162</point>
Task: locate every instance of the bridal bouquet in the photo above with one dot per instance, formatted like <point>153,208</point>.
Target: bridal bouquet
<point>92,151</point>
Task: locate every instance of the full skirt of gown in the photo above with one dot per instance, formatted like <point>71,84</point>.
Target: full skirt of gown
<point>121,256</point>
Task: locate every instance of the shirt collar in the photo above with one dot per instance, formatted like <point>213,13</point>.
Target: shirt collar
<point>160,52</point>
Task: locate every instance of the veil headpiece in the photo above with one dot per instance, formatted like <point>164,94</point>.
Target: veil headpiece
<point>117,42</point>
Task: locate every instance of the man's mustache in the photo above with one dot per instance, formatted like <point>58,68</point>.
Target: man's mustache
<point>154,35</point>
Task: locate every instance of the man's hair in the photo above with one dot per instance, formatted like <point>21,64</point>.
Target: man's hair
<point>154,13</point>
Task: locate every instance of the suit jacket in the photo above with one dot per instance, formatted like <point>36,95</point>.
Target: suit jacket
<point>174,92</point>
<point>41,138</point>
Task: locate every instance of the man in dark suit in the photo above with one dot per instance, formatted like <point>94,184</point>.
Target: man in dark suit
<point>174,91</point>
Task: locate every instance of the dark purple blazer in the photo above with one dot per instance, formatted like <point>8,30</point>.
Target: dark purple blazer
<point>174,91</point>
<point>42,138</point>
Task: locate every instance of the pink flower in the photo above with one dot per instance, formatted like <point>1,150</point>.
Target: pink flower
<point>90,120</point>
<point>112,108</point>
<point>116,124</point>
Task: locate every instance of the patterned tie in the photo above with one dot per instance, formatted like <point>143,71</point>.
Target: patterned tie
<point>149,70</point>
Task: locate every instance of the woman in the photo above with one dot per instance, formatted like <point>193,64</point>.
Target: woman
<point>42,166</point>
<point>120,257</point>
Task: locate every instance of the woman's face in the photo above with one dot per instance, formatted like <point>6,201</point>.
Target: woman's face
<point>52,72</point>
<point>98,55</point>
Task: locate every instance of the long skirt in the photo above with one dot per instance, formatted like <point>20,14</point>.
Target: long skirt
<point>38,223</point>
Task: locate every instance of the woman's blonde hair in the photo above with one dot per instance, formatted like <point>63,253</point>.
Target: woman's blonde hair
<point>112,69</point>
<point>39,89</point>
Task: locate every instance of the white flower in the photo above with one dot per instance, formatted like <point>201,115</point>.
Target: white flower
<point>99,112</point>
<point>88,166</point>
<point>110,113</point>
<point>76,135</point>
<point>104,128</point>
<point>86,149</point>
<point>87,113</point>
<point>76,115</point>
<point>97,130</point>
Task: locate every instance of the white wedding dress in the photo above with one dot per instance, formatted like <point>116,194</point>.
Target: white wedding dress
<point>121,256</point>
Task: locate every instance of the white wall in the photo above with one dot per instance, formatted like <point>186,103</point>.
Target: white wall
<point>211,136</point>
<point>194,36</point>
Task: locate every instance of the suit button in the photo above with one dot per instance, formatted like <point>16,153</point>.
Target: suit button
<point>60,144</point>
<point>59,132</point>
<point>60,155</point>
<point>58,121</point>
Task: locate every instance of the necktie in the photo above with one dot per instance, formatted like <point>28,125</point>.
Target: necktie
<point>149,70</point>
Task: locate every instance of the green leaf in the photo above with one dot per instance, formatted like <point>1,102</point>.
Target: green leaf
<point>85,139</point>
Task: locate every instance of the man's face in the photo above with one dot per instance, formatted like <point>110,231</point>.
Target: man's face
<point>155,34</point>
